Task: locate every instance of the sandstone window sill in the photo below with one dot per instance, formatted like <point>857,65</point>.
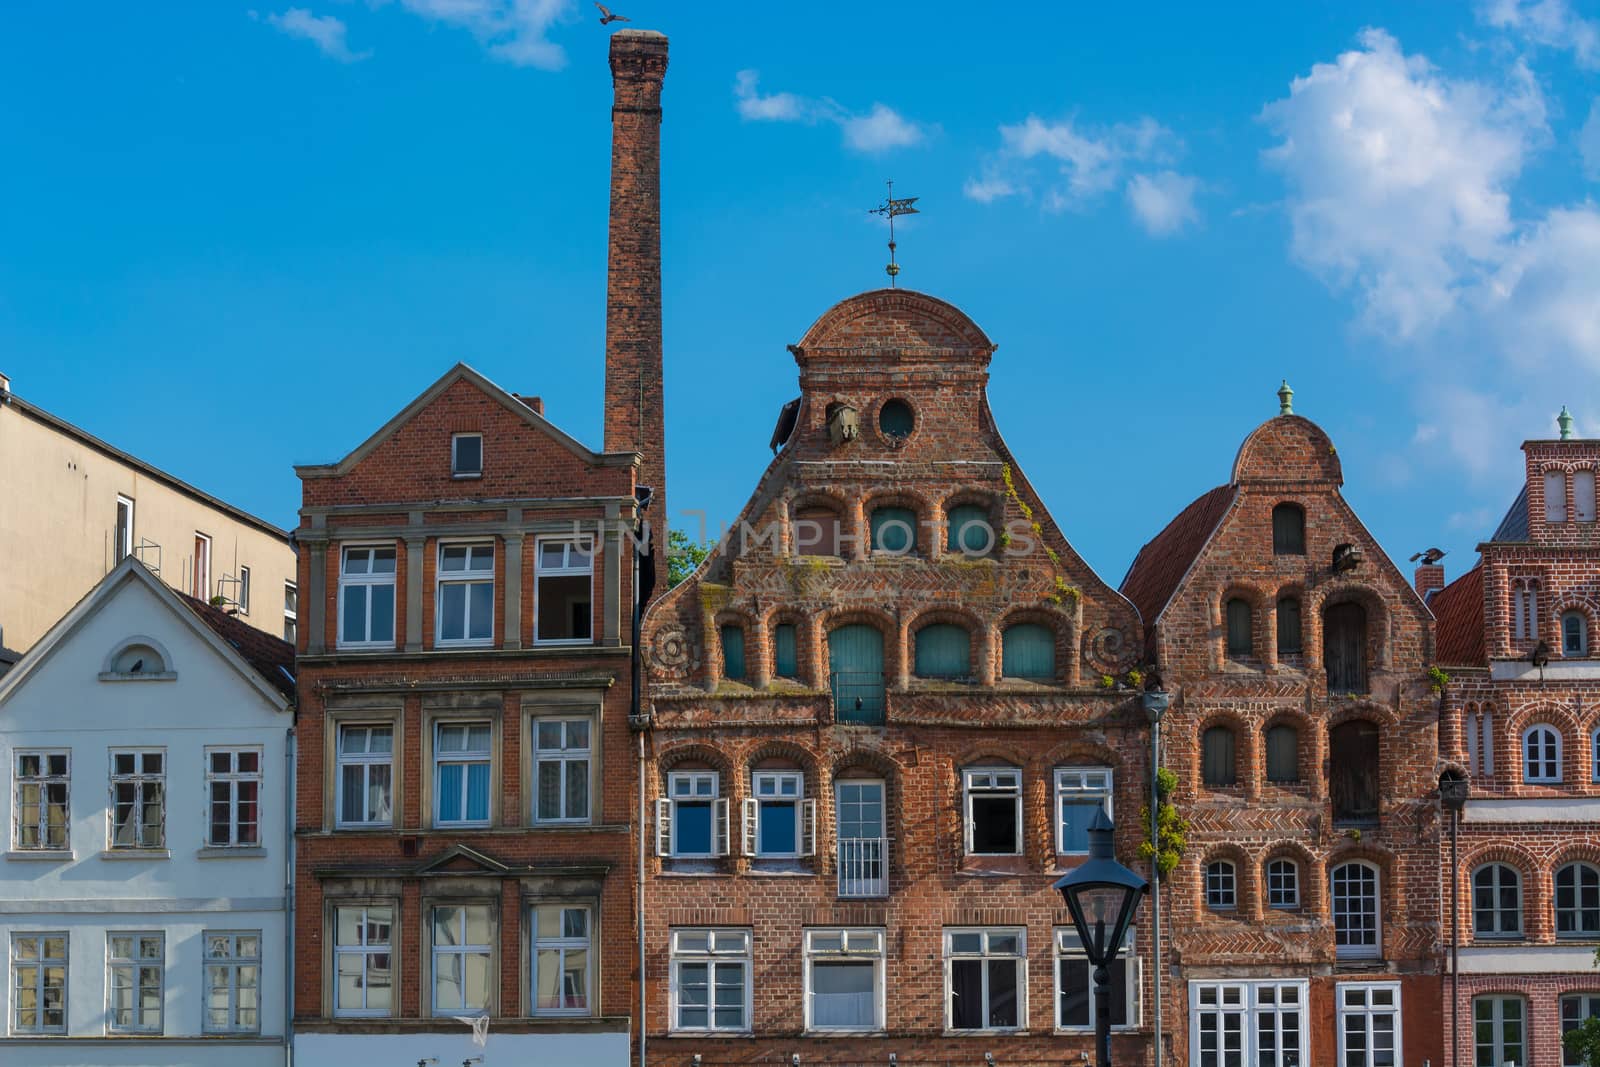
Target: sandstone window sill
<point>41,855</point>
<point>136,854</point>
<point>221,853</point>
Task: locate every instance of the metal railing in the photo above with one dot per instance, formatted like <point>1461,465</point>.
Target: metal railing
<point>858,697</point>
<point>863,867</point>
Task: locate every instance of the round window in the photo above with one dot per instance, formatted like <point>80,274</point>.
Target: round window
<point>896,419</point>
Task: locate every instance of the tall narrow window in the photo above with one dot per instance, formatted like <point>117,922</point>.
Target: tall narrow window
<point>894,531</point>
<point>815,531</point>
<point>462,955</point>
<point>987,972</point>
<point>40,800</point>
<point>561,960</point>
<point>1525,609</point>
<point>233,781</point>
<point>855,667</point>
<point>1241,627</point>
<point>943,651</point>
<point>461,759</point>
<point>785,654</point>
<point>1574,634</point>
<point>1222,892</point>
<point>366,782</point>
<point>363,957</point>
<point>1369,1024</point>
<point>1028,650</point>
<point>1541,754</point>
<point>561,760</point>
<point>1496,901</point>
<point>38,983</point>
<point>201,576</point>
<point>1355,911</point>
<point>733,653</point>
<point>466,595</point>
<point>1217,765</point>
<point>1498,1030</point>
<point>969,531</point>
<point>1583,496</point>
<point>710,983</point>
<point>1575,1010</point>
<point>366,597</point>
<point>1555,496</point>
<point>233,982</point>
<point>466,455</point>
<point>135,970</point>
<point>1578,901</point>
<point>844,980</point>
<point>778,819</point>
<point>1283,884</point>
<point>122,533</point>
<point>1288,530</point>
<point>138,799</point>
<point>244,590</point>
<point>564,592</point>
<point>1289,630</point>
<point>1075,1005</point>
<point>1283,753</point>
<point>1080,792</point>
<point>994,811</point>
<point>862,838</point>
<point>1354,756</point>
<point>1344,647</point>
<point>692,819</point>
<point>291,612</point>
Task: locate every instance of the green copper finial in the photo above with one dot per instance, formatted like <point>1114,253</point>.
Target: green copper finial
<point>1564,421</point>
<point>1285,399</point>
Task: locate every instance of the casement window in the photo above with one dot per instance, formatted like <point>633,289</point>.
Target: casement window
<point>563,591</point>
<point>1217,757</point>
<point>1028,650</point>
<point>291,612</point>
<point>692,820</point>
<point>1574,634</point>
<point>894,531</point>
<point>1283,753</point>
<point>138,799</point>
<point>40,803</point>
<point>1222,893</point>
<point>1356,919</point>
<point>122,532</point>
<point>1541,754</point>
<point>201,575</point>
<point>561,760</point>
<point>844,979</point>
<point>942,651</point>
<point>1499,1029</point>
<point>1496,901</point>
<point>710,986</point>
<point>466,455</point>
<point>986,978</point>
<point>465,609</point>
<point>1075,1006</point>
<point>1525,609</point>
<point>778,819</point>
<point>1283,884</point>
<point>863,841</point>
<point>1288,530</point>
<point>993,801</point>
<point>969,531</point>
<point>1251,1024</point>
<point>135,977</point>
<point>733,652</point>
<point>1080,792</point>
<point>463,953</point>
<point>461,769</point>
<point>233,783</point>
<point>366,775</point>
<point>1555,496</point>
<point>38,983</point>
<point>1369,1024</point>
<point>1290,639</point>
<point>1241,627</point>
<point>366,597</point>
<point>1575,1009</point>
<point>244,590</point>
<point>233,982</point>
<point>785,651</point>
<point>1594,747</point>
<point>363,960</point>
<point>1578,901</point>
<point>562,970</point>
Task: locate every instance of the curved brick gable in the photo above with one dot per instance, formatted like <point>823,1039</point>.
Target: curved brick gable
<point>1288,448</point>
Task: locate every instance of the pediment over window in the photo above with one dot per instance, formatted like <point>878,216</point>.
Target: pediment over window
<point>138,659</point>
<point>459,859</point>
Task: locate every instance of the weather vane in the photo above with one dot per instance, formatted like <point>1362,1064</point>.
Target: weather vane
<point>889,209</point>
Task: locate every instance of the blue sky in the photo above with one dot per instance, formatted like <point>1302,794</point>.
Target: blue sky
<point>234,238</point>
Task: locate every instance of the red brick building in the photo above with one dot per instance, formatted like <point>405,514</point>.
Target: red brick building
<point>1305,913</point>
<point>878,733</point>
<point>1515,636</point>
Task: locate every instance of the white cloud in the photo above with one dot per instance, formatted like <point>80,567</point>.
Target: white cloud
<point>1163,202</point>
<point>1550,23</point>
<point>324,31</point>
<point>1542,299</point>
<point>878,130</point>
<point>515,31</point>
<point>1589,143</point>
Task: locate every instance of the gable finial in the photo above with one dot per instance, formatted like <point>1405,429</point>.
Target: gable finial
<point>1285,399</point>
<point>1564,420</point>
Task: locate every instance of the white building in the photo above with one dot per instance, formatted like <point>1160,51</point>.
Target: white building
<point>146,746</point>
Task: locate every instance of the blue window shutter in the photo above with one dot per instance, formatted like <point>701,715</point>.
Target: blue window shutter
<point>1028,650</point>
<point>855,661</point>
<point>784,652</point>
<point>733,652</point>
<point>943,651</point>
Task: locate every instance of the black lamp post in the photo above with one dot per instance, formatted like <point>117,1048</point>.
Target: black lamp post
<point>1101,895</point>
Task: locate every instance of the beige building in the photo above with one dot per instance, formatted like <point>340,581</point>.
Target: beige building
<point>73,506</point>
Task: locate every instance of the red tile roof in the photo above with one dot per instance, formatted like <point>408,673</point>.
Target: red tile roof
<point>271,657</point>
<point>1458,609</point>
<point>1162,563</point>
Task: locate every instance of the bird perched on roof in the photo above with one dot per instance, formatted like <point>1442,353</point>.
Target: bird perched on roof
<point>1429,556</point>
<point>606,17</point>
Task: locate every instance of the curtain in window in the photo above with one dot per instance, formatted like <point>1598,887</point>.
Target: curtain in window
<point>1241,641</point>
<point>1283,754</point>
<point>894,530</point>
<point>842,994</point>
<point>1216,766</point>
<point>478,791</point>
<point>732,652</point>
<point>1028,650</point>
<point>943,651</point>
<point>785,654</point>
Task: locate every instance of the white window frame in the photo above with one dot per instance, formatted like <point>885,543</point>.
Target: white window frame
<point>1594,749</point>
<point>43,781</point>
<point>244,590</point>
<point>456,470</point>
<point>365,950</point>
<point>234,964</point>
<point>723,948</point>
<point>584,544</point>
<point>857,944</point>
<point>365,760</point>
<point>991,782</point>
<point>1221,877</point>
<point>855,855</point>
<point>437,951</point>
<point>1588,1006</point>
<point>234,779</point>
<point>139,778</point>
<point>291,615</point>
<point>561,945</point>
<point>564,757</point>
<point>1583,633</point>
<point>1497,1025</point>
<point>755,813</point>
<point>1368,1010</point>
<point>986,954</point>
<point>1578,867</point>
<point>1277,882</point>
<point>136,963</point>
<point>1358,952</point>
<point>1078,784</point>
<point>1247,1002</point>
<point>1069,947</point>
<point>1496,888</point>
<point>124,548</point>
<point>468,577</point>
<point>40,963</point>
<point>369,580</point>
<point>467,758</point>
<point>202,566</point>
<point>667,813</point>
<point>1536,766</point>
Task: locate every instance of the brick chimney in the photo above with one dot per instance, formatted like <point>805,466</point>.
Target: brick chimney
<point>634,414</point>
<point>1428,579</point>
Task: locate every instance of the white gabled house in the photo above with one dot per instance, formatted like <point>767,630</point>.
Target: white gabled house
<point>146,746</point>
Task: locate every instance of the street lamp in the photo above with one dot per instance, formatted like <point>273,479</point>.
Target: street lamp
<point>1101,895</point>
<point>1156,701</point>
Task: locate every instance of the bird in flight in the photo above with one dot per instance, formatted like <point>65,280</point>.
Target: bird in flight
<point>607,17</point>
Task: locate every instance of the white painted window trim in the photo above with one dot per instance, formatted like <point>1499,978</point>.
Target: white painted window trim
<point>1583,633</point>
<point>714,957</point>
<point>718,806</point>
<point>562,945</point>
<point>1069,947</point>
<point>1472,886</point>
<point>44,780</point>
<point>455,460</point>
<point>234,964</point>
<point>125,549</point>
<point>233,778</point>
<point>134,964</point>
<point>467,758</point>
<point>1358,952</point>
<point>564,756</point>
<point>291,615</point>
<point>468,577</point>
<point>805,810</point>
<point>202,567</point>
<point>1294,883</point>
<point>846,865</point>
<point>40,963</point>
<point>996,781</point>
<point>1497,1024</point>
<point>1541,777</point>
<point>368,580</point>
<point>860,944</point>
<point>462,949</point>
<point>1020,958</point>
<point>365,950</point>
<point>1341,1011</point>
<point>1250,1009</point>
<point>1073,783</point>
<point>1225,873</point>
<point>1577,867</point>
<point>138,778</point>
<point>368,759</point>
<point>566,570</point>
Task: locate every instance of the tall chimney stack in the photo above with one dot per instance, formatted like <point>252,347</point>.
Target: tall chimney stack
<point>1428,579</point>
<point>634,411</point>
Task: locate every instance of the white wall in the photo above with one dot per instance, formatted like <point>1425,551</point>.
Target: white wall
<point>450,1048</point>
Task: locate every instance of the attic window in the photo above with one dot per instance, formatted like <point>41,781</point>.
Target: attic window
<point>896,420</point>
<point>466,455</point>
<point>137,660</point>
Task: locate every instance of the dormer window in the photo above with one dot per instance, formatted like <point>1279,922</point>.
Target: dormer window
<point>466,455</point>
